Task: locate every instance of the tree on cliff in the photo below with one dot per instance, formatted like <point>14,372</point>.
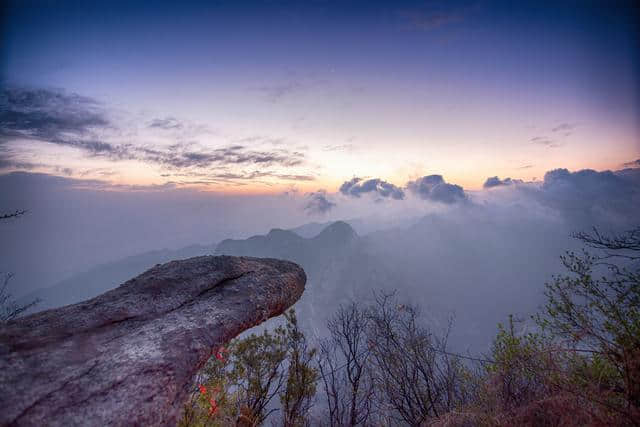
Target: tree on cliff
<point>595,309</point>
<point>345,368</point>
<point>417,379</point>
<point>380,365</point>
<point>240,383</point>
<point>300,389</point>
<point>9,308</point>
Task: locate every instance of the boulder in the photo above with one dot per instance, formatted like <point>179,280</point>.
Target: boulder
<point>128,356</point>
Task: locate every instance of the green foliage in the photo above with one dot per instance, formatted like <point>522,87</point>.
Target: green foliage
<point>245,378</point>
<point>257,372</point>
<point>300,388</point>
<point>595,309</point>
<point>520,365</point>
<point>379,365</point>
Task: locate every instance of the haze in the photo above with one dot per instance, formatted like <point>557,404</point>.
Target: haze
<point>463,141</point>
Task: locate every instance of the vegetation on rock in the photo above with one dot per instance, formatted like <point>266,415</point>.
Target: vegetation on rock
<point>577,363</point>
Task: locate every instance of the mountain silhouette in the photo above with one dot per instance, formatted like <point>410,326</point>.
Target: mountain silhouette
<point>338,265</point>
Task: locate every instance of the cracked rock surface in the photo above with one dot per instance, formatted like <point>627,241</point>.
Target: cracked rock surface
<point>128,356</point>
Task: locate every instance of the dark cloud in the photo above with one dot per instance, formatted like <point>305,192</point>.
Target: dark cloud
<point>494,181</point>
<point>525,167</point>
<point>632,164</point>
<point>590,197</point>
<point>357,186</point>
<point>53,116</point>
<point>205,177</point>
<point>434,188</point>
<point>290,177</point>
<point>318,203</point>
<point>9,163</point>
<point>584,181</point>
<point>543,140</point>
<point>261,174</point>
<point>75,121</point>
<point>183,156</point>
<point>169,123</point>
<point>565,128</point>
<point>57,117</point>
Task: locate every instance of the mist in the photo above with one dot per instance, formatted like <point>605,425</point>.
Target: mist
<point>475,258</point>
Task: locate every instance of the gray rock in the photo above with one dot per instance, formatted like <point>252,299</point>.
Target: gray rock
<point>128,356</point>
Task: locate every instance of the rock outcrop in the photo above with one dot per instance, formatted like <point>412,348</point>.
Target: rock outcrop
<point>128,356</point>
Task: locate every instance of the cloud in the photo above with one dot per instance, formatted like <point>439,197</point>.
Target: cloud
<point>590,197</point>
<point>253,175</point>
<point>632,164</point>
<point>55,116</point>
<point>494,181</point>
<point>543,140</point>
<point>434,188</point>
<point>9,163</point>
<point>49,111</point>
<point>565,128</point>
<point>318,203</point>
<point>71,120</point>
<point>585,181</point>
<point>184,156</point>
<point>357,186</point>
<point>342,147</point>
<point>169,123</point>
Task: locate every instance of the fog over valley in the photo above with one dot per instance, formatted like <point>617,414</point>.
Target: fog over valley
<point>477,259</point>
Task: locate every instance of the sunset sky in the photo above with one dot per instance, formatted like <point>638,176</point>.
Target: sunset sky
<point>274,96</point>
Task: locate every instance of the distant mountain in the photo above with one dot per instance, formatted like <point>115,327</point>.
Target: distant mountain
<point>310,230</point>
<point>104,277</point>
<point>337,263</point>
<point>332,241</point>
<point>445,264</point>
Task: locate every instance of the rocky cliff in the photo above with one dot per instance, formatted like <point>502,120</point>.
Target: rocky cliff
<point>128,356</point>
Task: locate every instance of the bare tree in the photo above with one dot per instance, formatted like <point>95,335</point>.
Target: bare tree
<point>345,368</point>
<point>9,308</point>
<point>417,378</point>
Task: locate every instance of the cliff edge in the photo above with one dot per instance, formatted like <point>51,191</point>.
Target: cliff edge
<point>128,356</point>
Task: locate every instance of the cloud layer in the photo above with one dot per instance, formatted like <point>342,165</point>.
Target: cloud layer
<point>358,186</point>
<point>71,120</point>
<point>318,203</point>
<point>494,181</point>
<point>434,188</point>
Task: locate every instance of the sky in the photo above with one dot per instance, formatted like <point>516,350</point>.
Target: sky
<point>317,97</point>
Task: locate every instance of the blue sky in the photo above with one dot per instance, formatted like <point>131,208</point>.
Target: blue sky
<point>316,93</point>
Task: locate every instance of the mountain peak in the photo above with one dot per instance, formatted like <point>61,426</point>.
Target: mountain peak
<point>339,230</point>
<point>279,233</point>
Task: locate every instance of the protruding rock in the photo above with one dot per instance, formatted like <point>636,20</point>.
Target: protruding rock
<point>128,356</point>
